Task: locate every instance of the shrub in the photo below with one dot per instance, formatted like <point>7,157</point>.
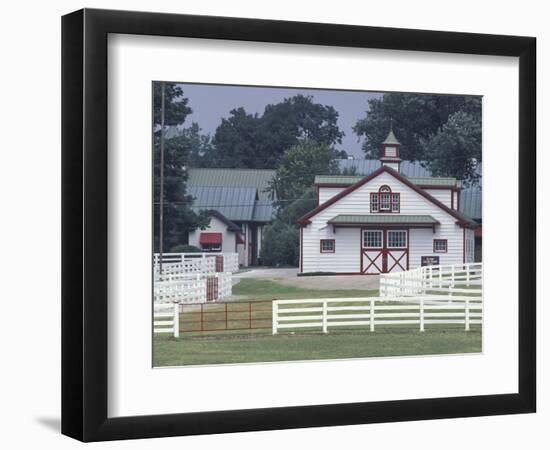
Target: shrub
<point>185,248</point>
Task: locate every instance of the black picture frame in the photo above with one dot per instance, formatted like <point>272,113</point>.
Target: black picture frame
<point>84,224</point>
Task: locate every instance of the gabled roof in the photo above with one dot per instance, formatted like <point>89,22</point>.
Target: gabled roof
<point>263,211</point>
<point>235,203</point>
<point>232,178</point>
<point>461,219</point>
<point>470,198</point>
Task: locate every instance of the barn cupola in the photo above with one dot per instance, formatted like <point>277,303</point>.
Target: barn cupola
<point>390,151</point>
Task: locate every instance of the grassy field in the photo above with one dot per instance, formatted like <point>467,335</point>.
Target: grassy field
<point>169,351</point>
<point>204,337</point>
<point>258,289</point>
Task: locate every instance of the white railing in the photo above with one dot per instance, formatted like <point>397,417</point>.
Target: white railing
<point>166,318</point>
<point>190,289</point>
<point>436,279</point>
<point>185,288</point>
<point>325,314</point>
<point>230,260</point>
<point>188,266</point>
<point>225,284</point>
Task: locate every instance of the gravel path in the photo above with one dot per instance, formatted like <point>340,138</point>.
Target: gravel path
<point>288,276</point>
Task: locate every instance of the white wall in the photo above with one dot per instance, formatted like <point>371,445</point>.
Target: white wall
<point>30,390</point>
<point>347,259</point>
<point>443,195</point>
<point>216,226</point>
<point>326,193</point>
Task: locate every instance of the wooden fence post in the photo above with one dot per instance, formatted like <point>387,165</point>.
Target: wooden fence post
<point>325,325</point>
<point>421,312</point>
<point>176,320</point>
<point>274,316</point>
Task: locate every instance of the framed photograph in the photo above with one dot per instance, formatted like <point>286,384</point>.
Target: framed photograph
<point>273,224</point>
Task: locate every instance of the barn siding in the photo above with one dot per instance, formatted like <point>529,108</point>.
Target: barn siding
<point>326,193</point>
<point>347,255</point>
<point>443,195</point>
<point>216,226</point>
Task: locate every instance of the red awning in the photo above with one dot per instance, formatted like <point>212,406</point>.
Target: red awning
<point>211,238</point>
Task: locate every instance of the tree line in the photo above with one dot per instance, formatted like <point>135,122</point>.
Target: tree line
<point>298,138</point>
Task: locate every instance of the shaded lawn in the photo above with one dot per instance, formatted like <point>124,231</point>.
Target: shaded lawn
<point>258,289</point>
<point>169,351</point>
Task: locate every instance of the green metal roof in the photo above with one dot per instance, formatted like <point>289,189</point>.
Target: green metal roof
<point>399,219</point>
<point>435,181</point>
<point>337,179</point>
<point>235,203</point>
<point>352,179</point>
<point>233,178</point>
<point>391,139</point>
<point>263,211</point>
<point>470,202</point>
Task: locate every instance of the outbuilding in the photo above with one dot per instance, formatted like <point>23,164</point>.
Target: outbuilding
<point>385,221</point>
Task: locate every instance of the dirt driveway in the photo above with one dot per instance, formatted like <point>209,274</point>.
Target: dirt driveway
<point>288,276</point>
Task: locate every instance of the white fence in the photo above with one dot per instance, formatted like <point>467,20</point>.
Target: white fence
<point>230,260</point>
<point>325,314</point>
<point>204,266</point>
<point>185,288</point>
<point>166,319</point>
<point>433,279</point>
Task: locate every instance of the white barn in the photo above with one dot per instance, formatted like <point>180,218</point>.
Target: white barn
<point>384,222</point>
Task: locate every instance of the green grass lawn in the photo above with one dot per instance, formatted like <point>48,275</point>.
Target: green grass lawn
<point>258,289</point>
<point>169,351</point>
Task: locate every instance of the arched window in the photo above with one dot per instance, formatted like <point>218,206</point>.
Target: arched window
<point>384,201</point>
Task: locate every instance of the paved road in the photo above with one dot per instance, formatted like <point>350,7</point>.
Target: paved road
<point>288,276</point>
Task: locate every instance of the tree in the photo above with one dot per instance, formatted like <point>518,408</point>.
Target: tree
<point>281,245</point>
<point>455,149</point>
<point>416,117</point>
<point>299,165</point>
<point>258,142</point>
<point>179,218</point>
<point>235,141</point>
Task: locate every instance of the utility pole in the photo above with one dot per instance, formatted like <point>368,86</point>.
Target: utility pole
<point>161,190</point>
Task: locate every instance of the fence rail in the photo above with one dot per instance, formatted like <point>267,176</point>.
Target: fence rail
<point>324,314</point>
<point>434,279</point>
<point>184,288</point>
<point>166,319</point>
<point>225,262</point>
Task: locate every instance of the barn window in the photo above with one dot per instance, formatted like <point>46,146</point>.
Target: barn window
<point>440,245</point>
<point>397,239</point>
<point>384,201</point>
<point>384,193</point>
<point>374,202</point>
<point>372,239</point>
<point>395,203</point>
<point>328,246</point>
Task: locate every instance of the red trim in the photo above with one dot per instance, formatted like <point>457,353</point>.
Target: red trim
<point>446,246</point>
<point>478,232</point>
<point>304,220</point>
<point>327,251</point>
<point>384,224</point>
<point>301,249</point>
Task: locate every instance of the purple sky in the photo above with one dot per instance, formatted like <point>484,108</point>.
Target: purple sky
<point>212,102</point>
